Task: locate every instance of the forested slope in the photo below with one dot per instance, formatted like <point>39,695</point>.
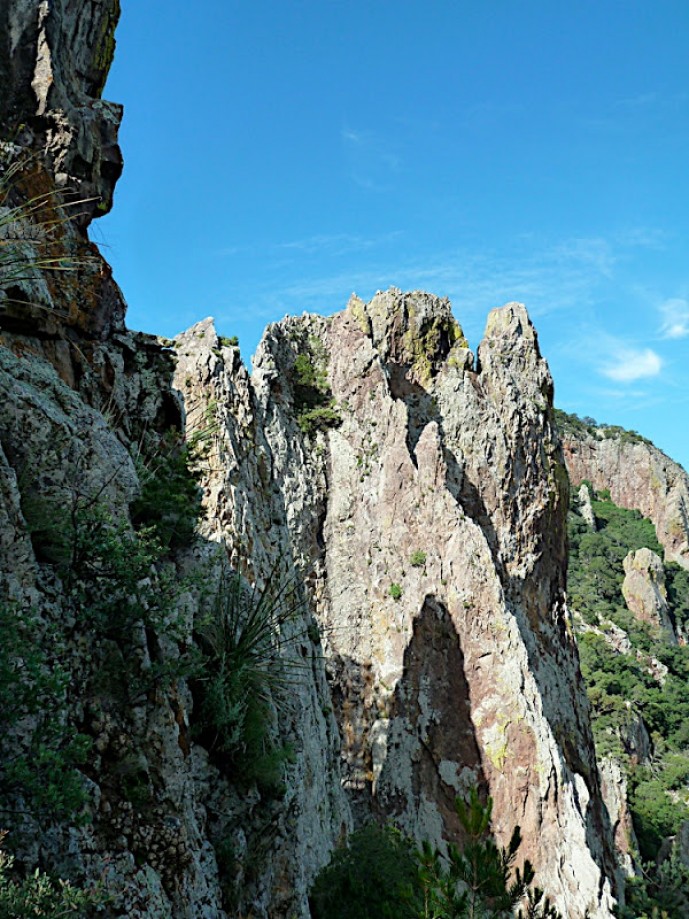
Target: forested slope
<point>631,623</point>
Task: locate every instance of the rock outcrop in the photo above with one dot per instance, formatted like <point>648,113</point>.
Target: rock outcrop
<point>644,590</point>
<point>54,59</point>
<point>639,477</point>
<point>415,495</point>
<point>585,506</point>
<point>614,785</point>
<point>429,508</point>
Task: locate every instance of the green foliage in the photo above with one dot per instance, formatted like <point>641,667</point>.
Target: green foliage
<point>480,879</point>
<point>677,582</point>
<point>170,499</point>
<point>659,892</point>
<point>39,895</point>
<point>596,571</point>
<point>117,581</point>
<point>231,342</point>
<point>315,407</point>
<point>417,559</point>
<point>306,375</point>
<point>40,765</point>
<point>117,576</point>
<point>572,425</point>
<point>374,876</point>
<point>655,813</point>
<point>378,874</point>
<point>621,687</point>
<point>395,591</point>
<point>243,677</point>
<point>319,419</point>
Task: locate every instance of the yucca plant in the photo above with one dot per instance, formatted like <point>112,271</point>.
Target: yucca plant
<point>242,688</point>
<point>32,228</point>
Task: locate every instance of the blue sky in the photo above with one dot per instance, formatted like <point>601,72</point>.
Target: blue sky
<point>281,154</point>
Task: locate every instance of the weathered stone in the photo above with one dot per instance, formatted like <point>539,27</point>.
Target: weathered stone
<point>585,506</point>
<point>54,60</point>
<point>644,590</point>
<point>615,795</point>
<point>461,679</point>
<point>639,477</point>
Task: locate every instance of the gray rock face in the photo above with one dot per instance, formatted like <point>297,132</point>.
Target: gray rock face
<point>644,590</point>
<point>639,477</point>
<point>585,506</point>
<point>60,455</point>
<point>54,60</point>
<point>58,139</point>
<point>262,494</point>
<point>431,517</point>
<point>418,493</point>
<point>615,794</point>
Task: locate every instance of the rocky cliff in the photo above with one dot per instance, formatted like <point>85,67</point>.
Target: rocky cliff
<point>408,496</point>
<point>638,476</point>
<point>423,490</point>
<point>54,60</point>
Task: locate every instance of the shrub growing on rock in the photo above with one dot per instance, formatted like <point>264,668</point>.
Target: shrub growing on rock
<point>40,895</point>
<point>243,676</point>
<point>379,874</point>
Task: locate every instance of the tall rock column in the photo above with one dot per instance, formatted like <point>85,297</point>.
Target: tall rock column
<point>427,493</point>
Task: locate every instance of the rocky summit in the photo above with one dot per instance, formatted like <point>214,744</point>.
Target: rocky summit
<point>244,613</point>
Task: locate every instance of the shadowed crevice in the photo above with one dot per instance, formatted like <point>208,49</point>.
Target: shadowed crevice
<point>430,727</point>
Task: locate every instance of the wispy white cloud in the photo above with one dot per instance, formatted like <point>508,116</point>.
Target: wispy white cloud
<point>641,100</point>
<point>624,393</point>
<point>338,243</point>
<point>373,159</point>
<point>651,99</point>
<point>595,252</point>
<point>675,313</point>
<point>642,237</point>
<point>630,364</point>
<point>373,146</point>
<point>334,244</point>
<point>571,275</point>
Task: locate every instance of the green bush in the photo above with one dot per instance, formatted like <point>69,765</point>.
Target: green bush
<point>319,419</point>
<point>243,678</point>
<point>314,405</point>
<point>656,815</point>
<point>573,425</point>
<point>170,499</point>
<point>41,765</point>
<point>657,892</point>
<point>395,591</point>
<point>677,580</point>
<point>39,895</point>
<point>379,874</point>
<point>118,577</point>
<point>621,687</point>
<point>374,876</point>
<point>417,559</point>
<point>480,879</point>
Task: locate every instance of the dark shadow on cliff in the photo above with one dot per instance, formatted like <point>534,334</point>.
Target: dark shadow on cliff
<point>430,724</point>
<point>549,648</point>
